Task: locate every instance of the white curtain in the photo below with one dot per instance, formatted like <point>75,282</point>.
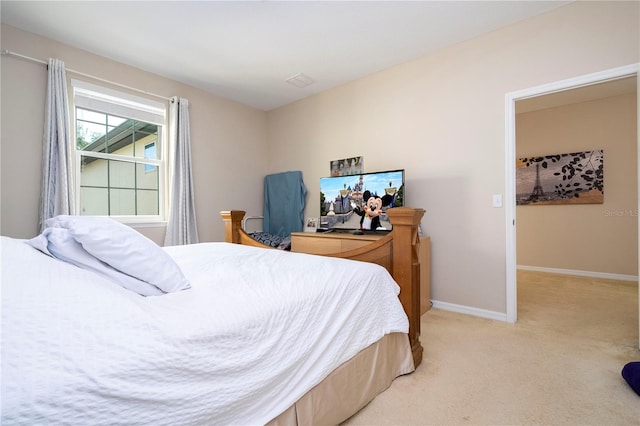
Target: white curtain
<point>57,187</point>
<point>181,228</point>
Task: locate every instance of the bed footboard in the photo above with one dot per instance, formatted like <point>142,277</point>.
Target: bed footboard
<point>234,232</point>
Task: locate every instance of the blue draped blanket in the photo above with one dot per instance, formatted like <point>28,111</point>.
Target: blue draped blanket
<point>284,201</point>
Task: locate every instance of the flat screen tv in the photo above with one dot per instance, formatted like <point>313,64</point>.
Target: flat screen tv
<point>342,198</point>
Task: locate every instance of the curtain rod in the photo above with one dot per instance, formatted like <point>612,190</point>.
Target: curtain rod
<point>7,52</point>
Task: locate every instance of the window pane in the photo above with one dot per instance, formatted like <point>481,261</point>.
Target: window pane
<point>94,172</point>
<point>114,121</point>
<point>146,137</point>
<point>130,137</point>
<point>122,174</point>
<point>111,187</point>
<point>120,139</point>
<point>147,176</point>
<point>148,202</point>
<point>87,115</point>
<point>90,136</point>
<point>122,202</point>
<point>94,201</point>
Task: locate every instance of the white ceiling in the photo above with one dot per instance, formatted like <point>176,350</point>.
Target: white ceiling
<point>245,50</point>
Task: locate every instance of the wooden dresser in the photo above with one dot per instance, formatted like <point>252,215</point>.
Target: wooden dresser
<point>337,242</point>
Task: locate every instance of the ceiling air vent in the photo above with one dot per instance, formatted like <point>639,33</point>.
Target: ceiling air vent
<point>300,80</point>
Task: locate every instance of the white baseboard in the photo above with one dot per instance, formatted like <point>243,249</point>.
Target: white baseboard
<point>469,310</point>
<point>499,316</point>
<point>592,274</point>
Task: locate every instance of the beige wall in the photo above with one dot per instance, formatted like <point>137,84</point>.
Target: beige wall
<point>220,130</point>
<point>442,118</point>
<point>587,237</point>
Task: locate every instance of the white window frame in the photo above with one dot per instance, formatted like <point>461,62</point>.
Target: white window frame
<point>102,99</point>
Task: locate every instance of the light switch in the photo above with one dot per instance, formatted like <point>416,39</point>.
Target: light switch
<point>497,200</point>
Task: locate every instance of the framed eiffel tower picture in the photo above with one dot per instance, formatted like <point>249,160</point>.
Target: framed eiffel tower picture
<point>573,178</point>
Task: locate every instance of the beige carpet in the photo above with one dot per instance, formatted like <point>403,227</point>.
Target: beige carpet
<point>558,365</point>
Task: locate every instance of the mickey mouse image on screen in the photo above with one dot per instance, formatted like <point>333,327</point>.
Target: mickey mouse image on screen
<point>370,217</point>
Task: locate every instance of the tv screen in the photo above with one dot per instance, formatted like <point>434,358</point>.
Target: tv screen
<point>343,200</point>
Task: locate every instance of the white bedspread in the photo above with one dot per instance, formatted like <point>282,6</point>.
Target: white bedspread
<point>256,331</point>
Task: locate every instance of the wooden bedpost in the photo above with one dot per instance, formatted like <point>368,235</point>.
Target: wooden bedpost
<point>232,225</point>
<point>406,269</point>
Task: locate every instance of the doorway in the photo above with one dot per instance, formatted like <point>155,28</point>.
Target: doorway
<point>510,143</point>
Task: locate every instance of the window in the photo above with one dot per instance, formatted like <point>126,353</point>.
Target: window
<point>120,166</point>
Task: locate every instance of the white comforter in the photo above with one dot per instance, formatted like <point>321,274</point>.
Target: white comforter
<point>256,331</point>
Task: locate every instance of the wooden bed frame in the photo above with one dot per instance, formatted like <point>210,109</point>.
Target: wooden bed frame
<point>397,252</point>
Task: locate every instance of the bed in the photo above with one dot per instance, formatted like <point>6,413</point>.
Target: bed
<point>214,342</point>
<point>397,253</point>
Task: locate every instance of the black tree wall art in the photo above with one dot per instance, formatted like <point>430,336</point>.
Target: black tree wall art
<point>574,178</point>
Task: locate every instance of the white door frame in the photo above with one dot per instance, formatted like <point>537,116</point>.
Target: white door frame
<point>510,161</point>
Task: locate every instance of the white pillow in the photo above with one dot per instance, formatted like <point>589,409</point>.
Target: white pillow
<point>59,243</point>
<point>124,249</point>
